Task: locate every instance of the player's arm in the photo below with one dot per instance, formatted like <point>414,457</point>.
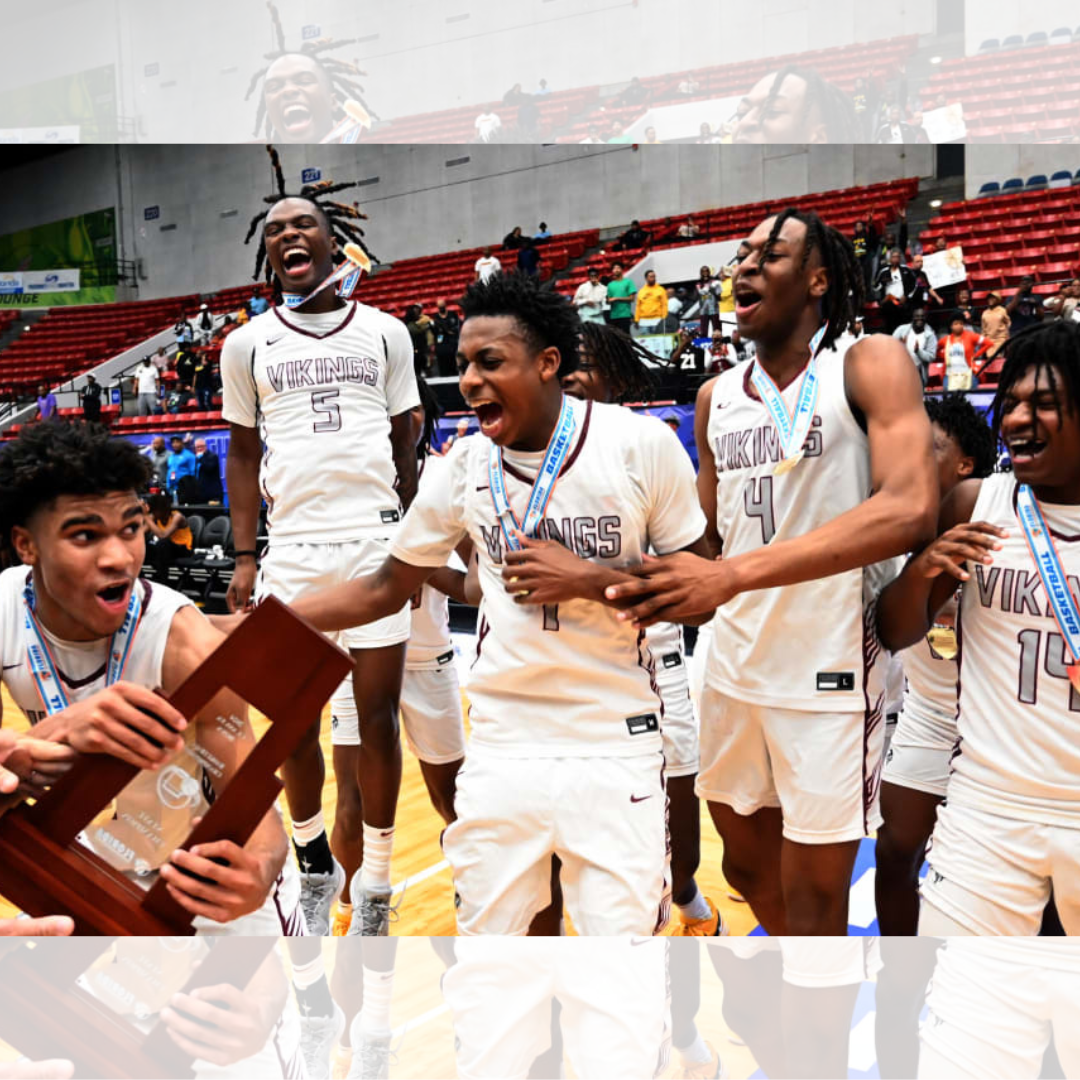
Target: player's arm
<point>239,878</point>
<point>883,385</point>
<point>404,431</point>
<point>706,474</point>
<point>908,605</point>
<point>245,502</point>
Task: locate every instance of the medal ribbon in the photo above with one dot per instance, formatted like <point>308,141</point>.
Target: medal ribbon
<point>543,486</point>
<point>792,428</point>
<point>1055,583</point>
<point>43,667</point>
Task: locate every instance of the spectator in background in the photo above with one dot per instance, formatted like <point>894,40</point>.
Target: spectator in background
<point>144,385</point>
<point>689,229</point>
<point>170,536</point>
<point>46,403</point>
<point>634,237</point>
<point>542,234</point>
<point>650,137</point>
<point>795,105</point>
<point>90,398</point>
<point>964,307</point>
<point>242,317</point>
<point>514,95</point>
<point>864,240</point>
<point>1063,304</point>
<point>894,130</point>
<point>894,287</point>
<point>961,350</point>
<point>857,330</point>
<point>595,136</point>
<point>637,93</point>
<point>205,325</point>
<point>513,239</point>
<point>725,299</point>
<point>708,294</point>
<point>161,361</point>
<point>617,134</point>
<point>185,368</point>
<point>705,136</point>
<point>528,258</point>
<point>543,88</point>
<point>924,296</point>
<point>719,358</point>
<point>1024,308</point>
<point>446,325</point>
<point>920,342</point>
<point>423,337</point>
<point>203,381</point>
<point>257,304</point>
<point>650,306</point>
<point>487,265</point>
<point>589,298</point>
<point>689,86</point>
<point>488,125</point>
<point>158,454</point>
<point>183,331</point>
<point>224,330</point>
<point>918,132</point>
<point>860,104</point>
<point>995,323</point>
<point>621,294</point>
<point>181,465</point>
<point>208,472</point>
<point>528,120</point>
<point>741,349</point>
<point>675,306</point>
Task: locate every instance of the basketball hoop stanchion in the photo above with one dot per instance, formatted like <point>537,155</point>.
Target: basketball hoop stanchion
<point>277,663</point>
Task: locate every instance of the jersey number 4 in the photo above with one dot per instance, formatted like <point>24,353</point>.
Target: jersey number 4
<point>324,403</point>
<point>757,500</point>
<point>1053,665</point>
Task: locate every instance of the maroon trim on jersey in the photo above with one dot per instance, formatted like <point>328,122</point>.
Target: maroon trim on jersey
<point>872,714</point>
<point>748,386</point>
<point>573,453</point>
<point>310,333</point>
<point>1063,537</point>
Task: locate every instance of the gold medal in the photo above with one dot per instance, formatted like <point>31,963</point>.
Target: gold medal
<point>942,642</point>
<point>785,465</point>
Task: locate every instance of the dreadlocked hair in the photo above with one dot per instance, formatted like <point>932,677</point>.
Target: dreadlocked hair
<point>432,411</point>
<point>621,360</point>
<point>341,218</point>
<point>340,75</point>
<point>547,319</point>
<point>960,420</point>
<point>53,459</point>
<point>843,300</point>
<point>834,105</point>
<point>1053,348</point>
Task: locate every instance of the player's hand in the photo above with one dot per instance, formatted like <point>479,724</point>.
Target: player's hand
<point>672,588</point>
<point>36,765</point>
<point>218,1024</point>
<point>242,585</point>
<point>127,721</point>
<point>49,926</point>
<point>236,888</point>
<point>52,1069</point>
<point>973,541</point>
<point>546,572</point>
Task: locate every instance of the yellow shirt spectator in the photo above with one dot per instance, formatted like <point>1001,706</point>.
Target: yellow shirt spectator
<point>651,304</point>
<point>726,300</point>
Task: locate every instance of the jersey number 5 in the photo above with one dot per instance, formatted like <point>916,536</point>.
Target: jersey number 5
<point>324,403</point>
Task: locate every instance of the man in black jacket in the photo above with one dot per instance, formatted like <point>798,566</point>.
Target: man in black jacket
<point>447,328</point>
<point>894,287</point>
<point>208,470</point>
<point>90,396</point>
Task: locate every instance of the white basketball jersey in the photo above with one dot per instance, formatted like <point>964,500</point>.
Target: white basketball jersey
<point>322,389</point>
<point>1019,718</point>
<point>930,680</point>
<point>568,680</point>
<point>809,646</point>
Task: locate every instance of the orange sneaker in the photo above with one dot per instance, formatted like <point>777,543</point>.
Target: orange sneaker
<point>713,926</point>
<point>341,1061</point>
<point>341,923</point>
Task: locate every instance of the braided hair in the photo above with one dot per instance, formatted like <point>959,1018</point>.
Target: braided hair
<point>340,218</point>
<point>1051,347</point>
<point>621,361</point>
<point>835,107</point>
<point>843,300</point>
<point>432,411</point>
<point>340,75</point>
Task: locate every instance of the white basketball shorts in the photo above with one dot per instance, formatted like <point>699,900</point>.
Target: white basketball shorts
<point>822,770</point>
<point>605,818</point>
<point>680,726</point>
<point>919,753</point>
<point>288,571</point>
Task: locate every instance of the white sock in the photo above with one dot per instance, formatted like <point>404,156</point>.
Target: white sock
<point>306,831</point>
<point>378,989</point>
<point>375,869</point>
<point>305,975</point>
<point>696,1053</point>
<point>697,908</point>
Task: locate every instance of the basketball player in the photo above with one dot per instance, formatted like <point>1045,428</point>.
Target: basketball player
<point>328,386</point>
<point>430,709</point>
<point>790,448</point>
<point>69,509</point>
<point>565,753</point>
<point>1008,831</point>
<point>613,369</point>
<point>916,768</point>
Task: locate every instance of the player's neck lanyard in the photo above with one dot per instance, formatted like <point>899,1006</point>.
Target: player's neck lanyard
<point>347,274</point>
<point>1055,583</point>
<point>543,486</point>
<point>42,665</point>
<point>792,428</point>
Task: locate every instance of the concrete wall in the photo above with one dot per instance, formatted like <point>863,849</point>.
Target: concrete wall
<point>420,205</point>
<point>183,68</point>
<point>986,162</point>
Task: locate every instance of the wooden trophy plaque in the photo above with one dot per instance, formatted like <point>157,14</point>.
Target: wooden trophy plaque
<point>276,662</point>
<point>48,1008</point>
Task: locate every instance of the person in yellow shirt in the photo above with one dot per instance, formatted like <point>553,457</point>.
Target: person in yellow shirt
<point>651,305</point>
<point>726,299</point>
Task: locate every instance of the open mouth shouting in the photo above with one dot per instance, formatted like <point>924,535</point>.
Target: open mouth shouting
<point>1025,450</point>
<point>296,118</point>
<point>490,415</point>
<point>747,300</point>
<point>114,597</point>
<point>296,261</point>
